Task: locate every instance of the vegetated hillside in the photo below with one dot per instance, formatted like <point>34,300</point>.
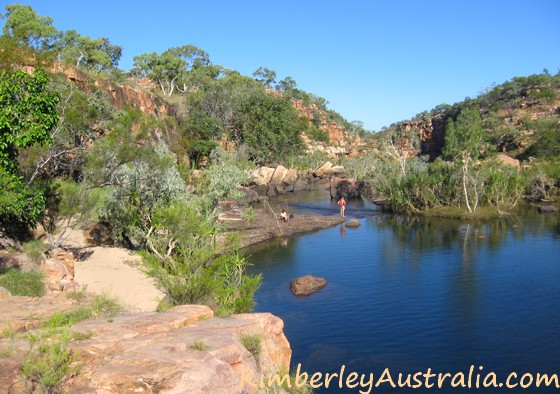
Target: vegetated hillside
<point>521,117</point>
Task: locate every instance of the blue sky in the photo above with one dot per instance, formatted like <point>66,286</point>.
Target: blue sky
<point>374,61</point>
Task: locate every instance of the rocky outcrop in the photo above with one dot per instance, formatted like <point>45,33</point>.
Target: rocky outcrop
<point>272,181</point>
<point>505,160</point>
<point>306,285</point>
<point>27,313</point>
<point>134,94</point>
<point>347,188</point>
<point>338,135</point>
<point>183,350</point>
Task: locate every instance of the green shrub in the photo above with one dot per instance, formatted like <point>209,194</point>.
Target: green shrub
<point>198,345</point>
<point>102,306</point>
<point>253,343</point>
<point>23,283</point>
<point>35,250</point>
<point>47,364</point>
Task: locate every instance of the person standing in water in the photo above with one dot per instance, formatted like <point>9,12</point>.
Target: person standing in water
<point>342,204</point>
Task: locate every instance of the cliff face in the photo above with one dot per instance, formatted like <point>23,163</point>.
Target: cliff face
<point>120,95</point>
<point>512,126</point>
<point>338,135</point>
<point>183,350</point>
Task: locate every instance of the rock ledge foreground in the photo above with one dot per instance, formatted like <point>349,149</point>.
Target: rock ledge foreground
<point>183,350</point>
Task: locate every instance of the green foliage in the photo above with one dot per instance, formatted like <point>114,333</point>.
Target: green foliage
<point>82,115</point>
<point>249,214</point>
<point>138,180</point>
<point>224,173</point>
<point>547,144</point>
<point>27,114</point>
<point>253,343</point>
<point>68,318</point>
<point>464,138</point>
<point>68,204</point>
<point>35,250</point>
<point>269,126</point>
<point>235,295</point>
<point>542,181</point>
<point>91,54</point>
<point>20,205</point>
<point>23,283</point>
<point>27,28</point>
<point>198,345</point>
<point>169,69</point>
<point>265,76</point>
<point>317,134</point>
<point>47,363</point>
<point>101,306</point>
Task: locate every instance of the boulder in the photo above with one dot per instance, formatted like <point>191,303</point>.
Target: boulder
<point>100,234</point>
<point>347,188</point>
<point>336,170</point>
<point>4,293</point>
<point>352,223</point>
<point>54,272</point>
<point>262,176</point>
<point>249,195</point>
<point>65,257</point>
<point>322,170</point>
<point>507,161</point>
<point>291,177</point>
<point>547,209</point>
<point>279,174</point>
<point>306,285</point>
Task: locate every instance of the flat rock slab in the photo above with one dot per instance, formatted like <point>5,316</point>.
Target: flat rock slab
<point>306,285</point>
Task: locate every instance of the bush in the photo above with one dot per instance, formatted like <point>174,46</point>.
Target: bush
<point>23,283</point>
<point>253,343</point>
<point>35,250</point>
<point>47,363</point>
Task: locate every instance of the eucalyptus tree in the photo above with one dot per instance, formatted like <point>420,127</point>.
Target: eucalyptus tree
<point>27,28</point>
<point>265,76</point>
<point>93,54</point>
<point>170,68</point>
<point>464,144</point>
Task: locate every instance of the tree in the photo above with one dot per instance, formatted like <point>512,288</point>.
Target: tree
<point>287,85</point>
<point>464,140</point>
<point>269,126</point>
<point>28,28</point>
<point>93,54</point>
<point>170,68</point>
<point>265,76</point>
<point>28,113</point>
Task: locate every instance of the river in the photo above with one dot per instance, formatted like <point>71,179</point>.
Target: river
<point>405,294</point>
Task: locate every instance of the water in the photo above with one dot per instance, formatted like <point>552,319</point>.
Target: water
<point>410,294</point>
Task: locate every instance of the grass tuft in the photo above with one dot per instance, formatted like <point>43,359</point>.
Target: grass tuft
<point>23,283</point>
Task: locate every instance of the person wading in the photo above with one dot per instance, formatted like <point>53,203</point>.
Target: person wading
<point>342,204</point>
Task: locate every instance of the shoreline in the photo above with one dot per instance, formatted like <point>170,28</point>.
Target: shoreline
<point>267,225</point>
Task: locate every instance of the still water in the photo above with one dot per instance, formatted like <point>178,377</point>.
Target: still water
<point>410,294</point>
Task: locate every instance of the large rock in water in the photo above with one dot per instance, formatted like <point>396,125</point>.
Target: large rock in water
<point>345,187</point>
<point>306,285</point>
